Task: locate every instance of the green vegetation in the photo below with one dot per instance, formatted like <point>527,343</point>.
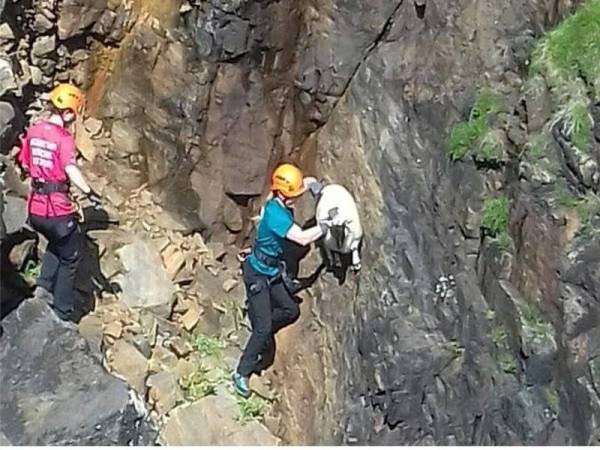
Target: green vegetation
<point>503,354</point>
<point>569,59</point>
<point>476,136</point>
<point>587,207</point>
<point>203,382</point>
<point>252,408</point>
<point>537,146</point>
<point>499,336</point>
<point>495,221</point>
<point>495,216</point>
<point>454,348</point>
<point>552,398</point>
<point>535,327</point>
<point>207,345</point>
<point>572,49</point>
<point>31,271</point>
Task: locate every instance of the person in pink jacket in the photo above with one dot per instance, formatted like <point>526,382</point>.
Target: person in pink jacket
<point>48,155</point>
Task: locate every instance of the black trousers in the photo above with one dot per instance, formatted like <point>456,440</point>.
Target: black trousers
<point>59,264</point>
<point>270,308</point>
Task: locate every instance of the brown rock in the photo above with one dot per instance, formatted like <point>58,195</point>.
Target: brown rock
<point>164,391</point>
<point>162,359</point>
<point>84,143</point>
<point>114,329</point>
<point>173,259</point>
<point>93,126</point>
<point>212,421</point>
<point>229,285</point>
<point>191,317</point>
<point>128,363</point>
<point>180,346</point>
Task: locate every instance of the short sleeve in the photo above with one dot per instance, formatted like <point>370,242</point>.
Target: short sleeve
<point>67,151</point>
<point>24,157</point>
<point>280,222</point>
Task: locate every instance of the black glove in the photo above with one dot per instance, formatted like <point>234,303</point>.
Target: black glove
<point>95,198</point>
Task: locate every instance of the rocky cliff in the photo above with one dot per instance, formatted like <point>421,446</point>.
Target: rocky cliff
<point>467,132</point>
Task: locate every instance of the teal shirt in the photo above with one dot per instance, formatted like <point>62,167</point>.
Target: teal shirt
<point>274,225</point>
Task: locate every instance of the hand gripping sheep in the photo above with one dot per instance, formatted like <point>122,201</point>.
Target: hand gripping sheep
<point>338,216</point>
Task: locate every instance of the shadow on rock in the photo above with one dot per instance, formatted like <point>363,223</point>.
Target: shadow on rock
<point>13,286</point>
<point>90,281</point>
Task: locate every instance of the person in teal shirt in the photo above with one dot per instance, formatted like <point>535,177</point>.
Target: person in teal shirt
<point>271,306</point>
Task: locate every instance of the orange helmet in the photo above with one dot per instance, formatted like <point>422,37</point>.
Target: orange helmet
<point>67,96</point>
<point>288,180</point>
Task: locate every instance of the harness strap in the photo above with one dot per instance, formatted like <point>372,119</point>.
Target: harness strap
<point>268,260</point>
<point>291,284</point>
<point>49,187</point>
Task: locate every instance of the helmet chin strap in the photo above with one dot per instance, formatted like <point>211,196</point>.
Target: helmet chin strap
<point>56,119</point>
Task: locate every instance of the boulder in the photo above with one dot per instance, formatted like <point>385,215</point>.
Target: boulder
<point>164,391</point>
<point>14,214</point>
<point>7,116</point>
<point>127,362</point>
<point>77,15</point>
<point>7,77</point>
<point>146,284</point>
<point>212,421</point>
<point>43,46</point>
<point>54,392</point>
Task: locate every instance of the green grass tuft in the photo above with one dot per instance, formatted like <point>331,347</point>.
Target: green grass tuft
<point>475,134</point>
<point>487,102</point>
<point>253,408</point>
<point>207,345</point>
<point>537,146</point>
<point>495,216</point>
<point>569,59</point>
<point>572,49</point>
<point>200,384</point>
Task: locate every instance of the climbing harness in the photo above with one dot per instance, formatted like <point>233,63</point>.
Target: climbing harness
<point>291,284</point>
<point>48,187</point>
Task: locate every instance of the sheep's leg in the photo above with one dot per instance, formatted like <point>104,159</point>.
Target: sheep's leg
<point>337,260</point>
<point>329,256</point>
<point>356,260</point>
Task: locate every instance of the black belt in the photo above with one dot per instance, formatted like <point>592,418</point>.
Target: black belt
<point>49,187</point>
<point>291,284</point>
<point>267,260</point>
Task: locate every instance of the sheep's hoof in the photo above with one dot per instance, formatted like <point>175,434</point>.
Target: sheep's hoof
<point>356,267</point>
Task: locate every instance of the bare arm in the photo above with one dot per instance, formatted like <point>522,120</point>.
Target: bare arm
<point>304,237</point>
<point>77,178</point>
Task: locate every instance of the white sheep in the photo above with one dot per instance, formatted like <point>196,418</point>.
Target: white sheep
<point>338,213</point>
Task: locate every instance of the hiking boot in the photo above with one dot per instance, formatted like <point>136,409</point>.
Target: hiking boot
<point>241,385</point>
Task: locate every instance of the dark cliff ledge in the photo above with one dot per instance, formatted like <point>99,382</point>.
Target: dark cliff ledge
<point>55,392</point>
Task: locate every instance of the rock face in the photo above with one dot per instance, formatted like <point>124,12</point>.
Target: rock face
<point>54,392</point>
<point>200,100</point>
<point>211,421</point>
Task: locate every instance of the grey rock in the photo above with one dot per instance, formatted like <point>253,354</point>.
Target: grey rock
<point>75,16</point>
<point>146,283</point>
<point>125,137</point>
<point>7,77</point>
<point>14,214</point>
<point>43,45</point>
<point>6,33</point>
<point>54,392</point>
<point>7,116</point>
<point>42,24</point>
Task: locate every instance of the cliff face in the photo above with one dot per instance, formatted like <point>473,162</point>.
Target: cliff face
<point>202,99</point>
